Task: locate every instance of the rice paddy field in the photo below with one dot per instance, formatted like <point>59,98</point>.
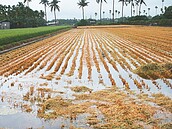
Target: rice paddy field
<point>90,77</point>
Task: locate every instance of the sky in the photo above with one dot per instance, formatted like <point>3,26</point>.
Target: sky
<point>70,10</point>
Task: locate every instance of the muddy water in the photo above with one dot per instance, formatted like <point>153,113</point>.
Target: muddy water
<point>13,111</point>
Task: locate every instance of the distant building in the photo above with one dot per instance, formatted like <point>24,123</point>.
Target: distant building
<point>4,25</point>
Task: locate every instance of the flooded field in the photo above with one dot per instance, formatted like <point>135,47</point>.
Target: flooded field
<point>92,77</point>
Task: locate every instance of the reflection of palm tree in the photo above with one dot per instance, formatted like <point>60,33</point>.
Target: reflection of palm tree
<point>27,2</point>
<point>156,7</point>
<point>100,1</point>
<point>45,3</point>
<point>54,6</point>
<point>82,4</point>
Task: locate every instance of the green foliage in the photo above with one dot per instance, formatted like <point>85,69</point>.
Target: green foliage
<point>15,35</point>
<point>83,23</point>
<point>168,13</point>
<point>21,16</point>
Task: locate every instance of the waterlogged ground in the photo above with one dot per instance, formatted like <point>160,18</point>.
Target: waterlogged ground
<point>85,78</point>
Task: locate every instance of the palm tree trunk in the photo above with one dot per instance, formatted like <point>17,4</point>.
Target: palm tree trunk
<point>83,12</point>
<point>131,8</point>
<point>122,10</point>
<point>113,10</point>
<point>27,3</point>
<point>55,15</point>
<point>45,13</point>
<point>136,10</point>
<point>100,11</point>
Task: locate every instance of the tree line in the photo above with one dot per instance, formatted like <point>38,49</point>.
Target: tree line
<point>21,16</point>
<point>133,3</point>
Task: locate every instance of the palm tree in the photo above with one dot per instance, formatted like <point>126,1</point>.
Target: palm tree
<point>27,2</point>
<point>54,6</point>
<point>113,11</point>
<point>116,12</point>
<point>162,6</point>
<point>144,11</point>
<point>123,1</point>
<point>148,11</point>
<point>82,4</point>
<point>137,5</point>
<point>45,3</point>
<point>100,1</point>
<point>134,12</point>
<point>103,14</point>
<point>141,2</point>
<point>110,11</point>
<point>156,7</point>
<point>95,15</point>
<point>132,5</point>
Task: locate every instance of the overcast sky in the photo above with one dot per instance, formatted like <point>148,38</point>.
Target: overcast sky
<point>70,10</point>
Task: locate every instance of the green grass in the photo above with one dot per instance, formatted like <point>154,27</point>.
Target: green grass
<point>12,36</point>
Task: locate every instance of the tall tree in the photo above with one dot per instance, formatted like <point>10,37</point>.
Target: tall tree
<point>82,4</point>
<point>27,2</point>
<point>113,12</point>
<point>132,5</point>
<point>100,2</point>
<point>141,2</point>
<point>95,15</point>
<point>45,3</point>
<point>110,11</point>
<point>54,6</point>
<point>156,7</point>
<point>116,12</point>
<point>162,6</point>
<point>148,11</point>
<point>123,2</point>
<point>103,14</point>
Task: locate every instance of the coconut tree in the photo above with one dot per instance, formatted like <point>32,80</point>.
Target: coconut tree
<point>100,2</point>
<point>27,2</point>
<point>113,12</point>
<point>110,11</point>
<point>45,3</point>
<point>95,15</point>
<point>123,2</point>
<point>162,6</point>
<point>116,12</point>
<point>132,5</point>
<point>82,4</point>
<point>141,2</point>
<point>148,11</point>
<point>54,6</point>
<point>156,7</point>
<point>137,6</point>
<point>103,14</point>
<point>134,12</point>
